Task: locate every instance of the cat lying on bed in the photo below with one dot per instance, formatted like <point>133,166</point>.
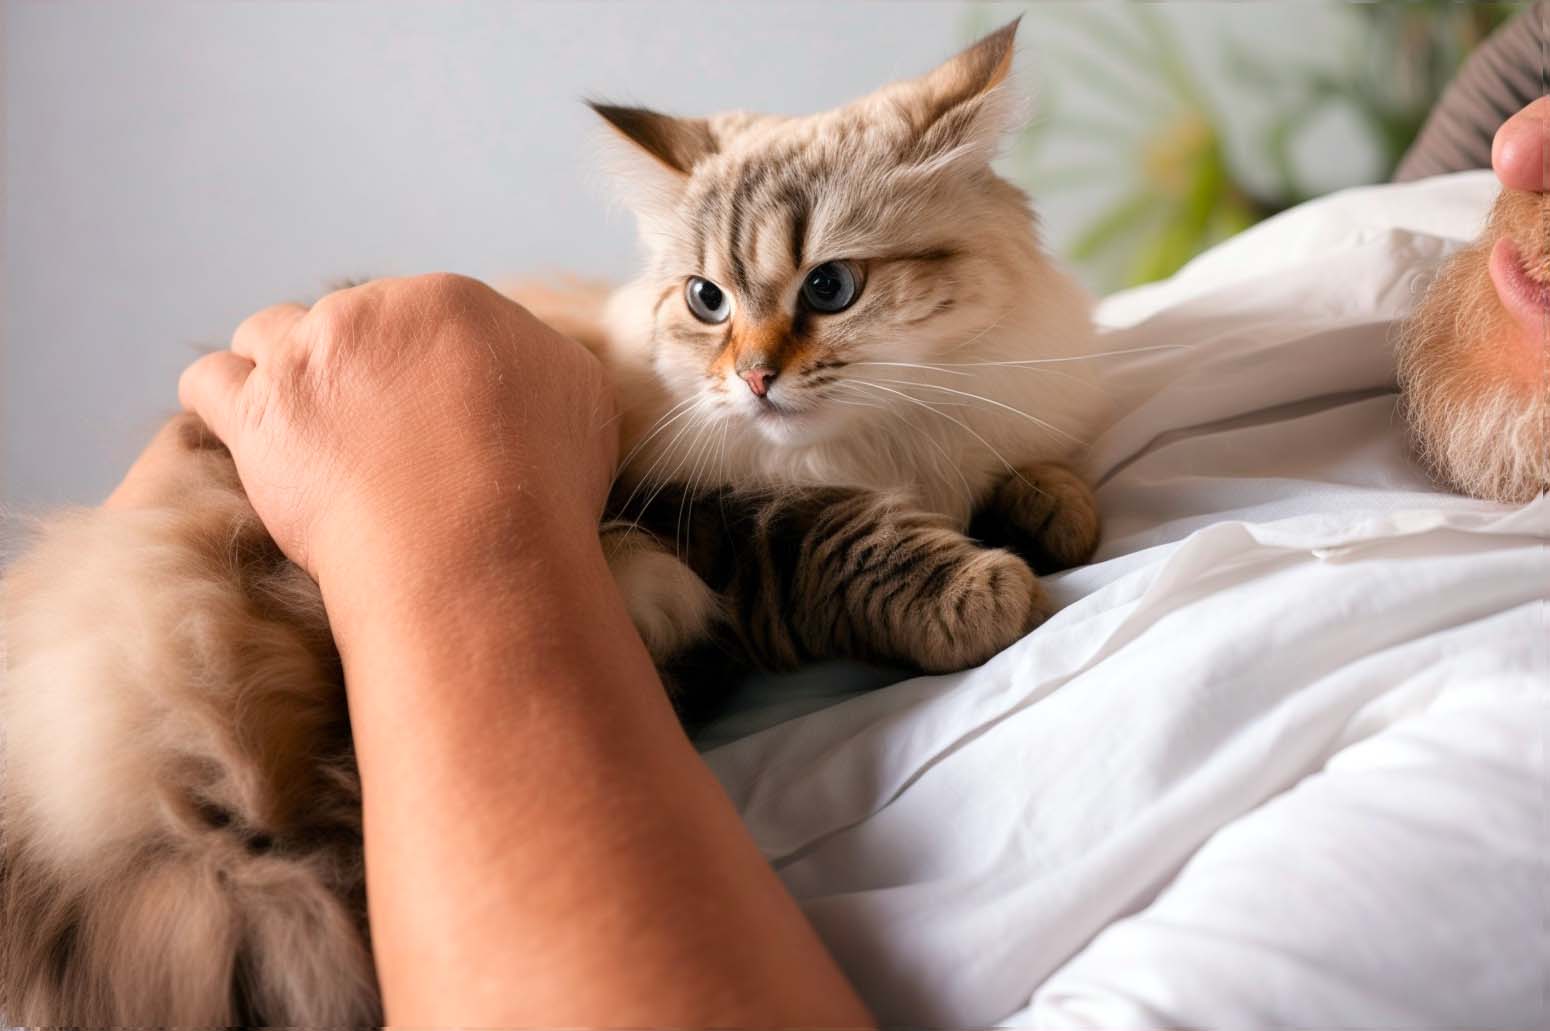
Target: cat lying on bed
<point>1474,359</point>
<point>841,350</point>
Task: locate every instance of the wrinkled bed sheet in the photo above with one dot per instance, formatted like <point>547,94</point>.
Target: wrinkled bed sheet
<point>1279,760</point>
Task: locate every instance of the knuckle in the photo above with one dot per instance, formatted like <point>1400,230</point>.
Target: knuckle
<point>335,326</point>
<point>449,284</point>
<point>448,294</point>
<point>334,317</point>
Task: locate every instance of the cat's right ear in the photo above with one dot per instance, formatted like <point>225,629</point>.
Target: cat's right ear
<point>652,154</point>
<point>960,111</point>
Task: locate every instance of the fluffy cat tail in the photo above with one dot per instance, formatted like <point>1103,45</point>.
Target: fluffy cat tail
<point>180,821</point>
<point>182,938</point>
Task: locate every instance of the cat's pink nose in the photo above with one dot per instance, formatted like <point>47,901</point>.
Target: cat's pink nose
<point>759,379</point>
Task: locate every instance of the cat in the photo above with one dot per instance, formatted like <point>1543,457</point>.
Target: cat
<point>848,375</point>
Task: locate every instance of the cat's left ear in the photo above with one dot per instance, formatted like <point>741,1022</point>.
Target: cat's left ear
<point>653,154</point>
<point>678,144</point>
<point>962,109</point>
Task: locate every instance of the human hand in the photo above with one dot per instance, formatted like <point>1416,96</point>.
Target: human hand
<point>405,416</point>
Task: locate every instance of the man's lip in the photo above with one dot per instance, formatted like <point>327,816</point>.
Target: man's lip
<point>1525,300</point>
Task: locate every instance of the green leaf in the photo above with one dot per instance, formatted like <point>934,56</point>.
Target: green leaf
<point>1125,216</point>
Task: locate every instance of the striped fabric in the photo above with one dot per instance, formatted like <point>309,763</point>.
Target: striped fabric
<point>1506,72</point>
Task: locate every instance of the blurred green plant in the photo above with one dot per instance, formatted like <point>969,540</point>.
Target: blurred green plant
<point>1180,191</point>
<point>1396,66</point>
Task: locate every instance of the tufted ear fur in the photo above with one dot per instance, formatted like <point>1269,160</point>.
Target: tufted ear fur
<point>678,143</point>
<point>652,154</point>
<point>958,111</point>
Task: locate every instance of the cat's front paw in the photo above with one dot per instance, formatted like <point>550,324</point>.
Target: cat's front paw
<point>992,601</point>
<point>1044,512</point>
<point>671,607</point>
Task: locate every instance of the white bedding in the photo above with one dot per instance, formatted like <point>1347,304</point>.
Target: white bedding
<point>1280,758</point>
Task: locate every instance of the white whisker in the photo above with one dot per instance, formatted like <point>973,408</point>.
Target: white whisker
<point>917,365</point>
<point>995,324</point>
<point>698,427</point>
<point>666,451</point>
<point>1062,374</point>
<point>1075,357</point>
<point>721,494</point>
<point>992,401</point>
<point>948,460</point>
<point>964,426</point>
<point>688,499</point>
<point>663,422</point>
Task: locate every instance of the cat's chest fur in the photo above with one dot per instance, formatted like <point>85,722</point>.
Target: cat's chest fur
<point>935,471</point>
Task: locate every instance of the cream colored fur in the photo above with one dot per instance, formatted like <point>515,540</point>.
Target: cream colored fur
<point>171,707</point>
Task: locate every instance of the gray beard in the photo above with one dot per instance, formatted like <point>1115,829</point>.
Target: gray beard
<point>1482,435</point>
<point>1493,445</point>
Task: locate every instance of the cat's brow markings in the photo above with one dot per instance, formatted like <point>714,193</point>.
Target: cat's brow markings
<point>751,181</point>
<point>702,222</point>
<point>796,204</point>
<point>935,255</point>
<point>751,248</point>
<point>750,207</point>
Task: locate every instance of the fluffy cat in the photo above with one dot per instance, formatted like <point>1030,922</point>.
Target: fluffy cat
<point>846,345</point>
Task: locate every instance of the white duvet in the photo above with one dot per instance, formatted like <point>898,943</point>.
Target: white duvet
<point>1280,758</point>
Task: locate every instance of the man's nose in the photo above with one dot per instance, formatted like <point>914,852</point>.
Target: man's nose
<point>759,378</point>
<point>1520,152</point>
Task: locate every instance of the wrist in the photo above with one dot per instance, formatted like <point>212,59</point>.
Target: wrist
<point>420,563</point>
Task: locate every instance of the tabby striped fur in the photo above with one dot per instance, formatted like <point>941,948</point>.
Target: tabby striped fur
<point>811,573</point>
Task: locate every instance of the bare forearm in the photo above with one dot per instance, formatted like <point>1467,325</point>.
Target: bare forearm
<point>543,844</point>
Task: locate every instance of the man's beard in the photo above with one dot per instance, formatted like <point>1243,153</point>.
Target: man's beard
<point>1476,394</point>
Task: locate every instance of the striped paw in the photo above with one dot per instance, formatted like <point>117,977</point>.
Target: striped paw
<point>1044,512</point>
<point>991,601</point>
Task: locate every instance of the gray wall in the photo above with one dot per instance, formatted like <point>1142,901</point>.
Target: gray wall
<point>170,167</point>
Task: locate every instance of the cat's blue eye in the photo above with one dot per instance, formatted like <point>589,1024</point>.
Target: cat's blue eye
<point>707,301</point>
<point>831,287</point>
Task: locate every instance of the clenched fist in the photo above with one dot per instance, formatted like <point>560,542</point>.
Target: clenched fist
<point>417,413</point>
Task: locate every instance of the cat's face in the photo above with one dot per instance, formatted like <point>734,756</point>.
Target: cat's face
<point>791,281</point>
<point>803,271</point>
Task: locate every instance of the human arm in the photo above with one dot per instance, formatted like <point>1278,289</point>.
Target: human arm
<point>543,845</point>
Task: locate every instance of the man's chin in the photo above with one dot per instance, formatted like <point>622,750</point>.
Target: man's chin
<point>1495,447</point>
